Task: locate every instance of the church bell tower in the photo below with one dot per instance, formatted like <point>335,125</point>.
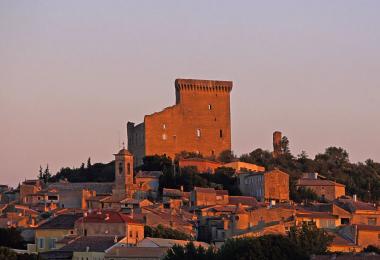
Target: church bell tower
<point>123,174</point>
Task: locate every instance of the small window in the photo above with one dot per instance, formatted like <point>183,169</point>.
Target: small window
<point>52,243</point>
<point>137,234</point>
<point>130,234</point>
<point>120,168</point>
<point>372,221</point>
<point>164,137</point>
<point>129,168</point>
<point>221,133</point>
<point>164,126</point>
<point>198,132</point>
<point>378,236</point>
<point>212,152</point>
<point>41,243</point>
<point>209,106</point>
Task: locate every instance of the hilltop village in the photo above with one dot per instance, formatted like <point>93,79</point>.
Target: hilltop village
<point>146,211</point>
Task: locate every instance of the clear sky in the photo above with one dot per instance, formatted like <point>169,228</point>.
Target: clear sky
<point>72,73</point>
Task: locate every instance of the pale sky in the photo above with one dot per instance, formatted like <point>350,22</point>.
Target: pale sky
<point>72,73</point>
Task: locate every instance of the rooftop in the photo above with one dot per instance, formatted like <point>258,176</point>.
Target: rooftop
<point>65,221</point>
<point>137,252</point>
<point>108,217</point>
<point>92,243</point>
<point>318,182</point>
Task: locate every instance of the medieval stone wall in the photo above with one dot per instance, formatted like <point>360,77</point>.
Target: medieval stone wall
<point>199,122</point>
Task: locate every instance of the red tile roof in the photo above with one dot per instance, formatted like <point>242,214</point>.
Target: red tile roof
<point>108,217</point>
<point>313,182</point>
<point>245,200</point>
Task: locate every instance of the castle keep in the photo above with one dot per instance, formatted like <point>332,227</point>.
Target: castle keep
<point>199,122</point>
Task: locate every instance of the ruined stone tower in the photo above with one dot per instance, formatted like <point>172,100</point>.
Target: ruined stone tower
<point>277,149</point>
<point>199,122</point>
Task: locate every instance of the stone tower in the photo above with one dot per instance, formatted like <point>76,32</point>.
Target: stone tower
<point>123,174</point>
<point>199,122</point>
<point>277,150</point>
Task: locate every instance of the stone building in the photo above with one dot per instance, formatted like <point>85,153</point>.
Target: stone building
<point>110,223</point>
<point>199,122</point>
<point>265,186</point>
<point>325,189</point>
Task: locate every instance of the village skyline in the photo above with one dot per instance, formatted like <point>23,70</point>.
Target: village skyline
<point>70,80</point>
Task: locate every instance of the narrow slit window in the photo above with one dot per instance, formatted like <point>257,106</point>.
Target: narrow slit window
<point>198,132</point>
<point>221,133</point>
<point>209,106</point>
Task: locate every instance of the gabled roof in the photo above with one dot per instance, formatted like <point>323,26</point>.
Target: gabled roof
<point>137,252</point>
<point>318,182</point>
<point>171,192</point>
<point>64,221</point>
<point>108,217</point>
<point>352,205</point>
<point>92,243</point>
<point>244,200</point>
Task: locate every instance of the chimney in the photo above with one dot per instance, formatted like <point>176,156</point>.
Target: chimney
<point>277,136</point>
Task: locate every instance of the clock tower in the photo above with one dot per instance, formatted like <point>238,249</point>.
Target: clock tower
<point>123,174</point>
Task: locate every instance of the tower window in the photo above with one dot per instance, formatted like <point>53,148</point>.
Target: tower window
<point>198,132</point>
<point>164,137</point>
<point>209,106</point>
<point>129,168</point>
<point>120,168</point>
<point>221,133</point>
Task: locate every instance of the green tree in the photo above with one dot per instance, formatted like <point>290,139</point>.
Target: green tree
<point>40,174</point>
<point>11,237</point>
<point>285,145</point>
<point>47,174</point>
<point>190,252</point>
<point>89,163</point>
<point>264,247</point>
<point>227,156</point>
<point>7,254</point>
<point>165,232</point>
<point>310,238</point>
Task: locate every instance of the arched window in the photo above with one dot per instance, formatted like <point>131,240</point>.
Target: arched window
<point>198,132</point>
